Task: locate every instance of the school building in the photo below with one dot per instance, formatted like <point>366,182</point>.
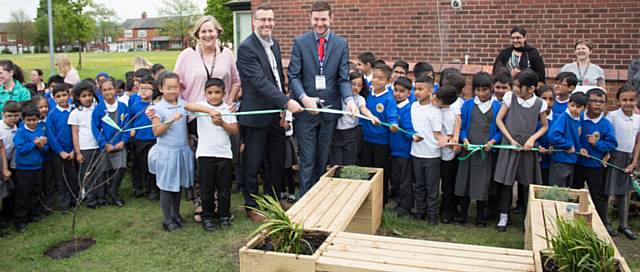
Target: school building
<point>144,34</point>
<point>471,35</point>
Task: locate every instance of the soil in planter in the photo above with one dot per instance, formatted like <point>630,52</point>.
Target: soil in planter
<point>315,239</point>
<point>336,174</point>
<point>68,248</point>
<point>572,199</point>
<point>548,265</point>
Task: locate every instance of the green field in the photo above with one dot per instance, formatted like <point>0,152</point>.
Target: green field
<point>116,64</point>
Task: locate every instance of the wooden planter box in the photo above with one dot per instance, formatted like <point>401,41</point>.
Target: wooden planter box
<point>255,260</point>
<point>541,217</point>
<point>369,215</point>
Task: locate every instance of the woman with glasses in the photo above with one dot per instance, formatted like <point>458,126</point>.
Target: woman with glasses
<point>520,56</point>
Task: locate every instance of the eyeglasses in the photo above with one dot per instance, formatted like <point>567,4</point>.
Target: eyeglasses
<point>597,101</point>
<point>264,20</point>
<point>562,83</point>
<point>145,89</point>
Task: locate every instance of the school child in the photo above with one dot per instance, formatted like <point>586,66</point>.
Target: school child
<point>53,81</point>
<point>30,146</point>
<point>478,127</point>
<point>171,159</point>
<point>565,135</point>
<point>111,142</point>
<point>85,145</point>
<point>214,157</point>
<point>400,143</point>
<point>47,199</point>
<point>10,117</point>
<point>143,139</point>
<point>288,191</point>
<point>121,92</point>
<point>344,145</point>
<point>400,68</point>
<point>425,69</point>
<point>365,63</point>
<point>597,139</point>
<point>444,98</point>
<point>375,147</point>
<point>156,70</point>
<point>137,76</point>
<point>565,84</point>
<point>502,83</point>
<point>517,120</point>
<point>626,125</point>
<point>426,119</point>
<point>61,143</point>
<point>548,95</point>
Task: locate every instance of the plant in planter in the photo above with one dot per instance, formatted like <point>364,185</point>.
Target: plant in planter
<point>353,172</point>
<point>555,193</point>
<point>576,247</point>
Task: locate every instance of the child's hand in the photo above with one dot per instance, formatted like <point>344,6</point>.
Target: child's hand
<point>38,142</point>
<point>108,148</point>
<point>132,133</point>
<point>393,128</point>
<point>606,159</point>
<point>584,152</point>
<point>442,141</point>
<point>214,113</point>
<point>79,158</point>
<point>417,138</point>
<point>571,150</point>
<point>150,112</point>
<point>64,155</point>
<point>375,121</point>
<point>465,144</point>
<point>528,144</point>
<point>591,139</point>
<point>488,145</point>
<point>44,140</point>
<point>542,150</point>
<point>176,117</point>
<point>629,169</point>
<point>217,120</point>
<point>515,143</point>
<point>6,174</point>
<point>119,145</point>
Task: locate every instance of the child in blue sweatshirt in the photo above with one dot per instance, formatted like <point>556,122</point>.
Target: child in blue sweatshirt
<point>597,139</point>
<point>401,168</point>
<point>565,135</point>
<point>375,149</point>
<point>548,95</point>
<point>61,143</point>
<point>143,140</point>
<point>31,145</point>
<point>48,190</point>
<point>565,84</point>
<point>110,140</point>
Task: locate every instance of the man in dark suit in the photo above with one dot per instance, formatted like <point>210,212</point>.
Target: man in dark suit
<point>318,76</point>
<point>260,67</point>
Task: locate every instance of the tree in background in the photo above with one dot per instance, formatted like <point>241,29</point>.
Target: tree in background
<point>22,27</point>
<point>219,9</point>
<point>42,28</point>
<point>180,17</point>
<point>106,23</point>
<point>79,24</point>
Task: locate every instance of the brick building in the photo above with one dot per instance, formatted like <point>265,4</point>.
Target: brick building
<point>433,31</point>
<point>145,34</point>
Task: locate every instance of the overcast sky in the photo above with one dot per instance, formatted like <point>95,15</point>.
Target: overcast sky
<point>125,9</point>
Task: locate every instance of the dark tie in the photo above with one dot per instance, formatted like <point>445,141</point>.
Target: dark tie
<point>321,49</point>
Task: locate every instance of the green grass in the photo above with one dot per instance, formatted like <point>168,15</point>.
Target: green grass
<point>116,64</point>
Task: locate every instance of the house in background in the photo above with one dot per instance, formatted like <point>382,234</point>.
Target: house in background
<point>8,41</point>
<point>145,34</point>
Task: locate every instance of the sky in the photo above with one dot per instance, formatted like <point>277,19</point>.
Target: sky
<point>125,9</point>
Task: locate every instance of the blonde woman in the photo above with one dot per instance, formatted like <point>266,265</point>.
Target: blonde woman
<point>140,62</point>
<point>66,70</point>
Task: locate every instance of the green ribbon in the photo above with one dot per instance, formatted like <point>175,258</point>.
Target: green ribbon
<point>636,186</point>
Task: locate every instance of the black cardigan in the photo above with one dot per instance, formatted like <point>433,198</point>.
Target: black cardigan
<point>531,59</point>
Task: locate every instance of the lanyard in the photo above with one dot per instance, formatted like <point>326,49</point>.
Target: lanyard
<point>213,65</point>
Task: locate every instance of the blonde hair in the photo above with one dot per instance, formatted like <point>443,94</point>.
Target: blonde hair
<point>201,21</point>
<point>64,64</point>
<point>140,62</point>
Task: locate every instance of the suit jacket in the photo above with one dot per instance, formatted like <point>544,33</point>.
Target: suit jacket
<point>259,87</point>
<point>305,65</point>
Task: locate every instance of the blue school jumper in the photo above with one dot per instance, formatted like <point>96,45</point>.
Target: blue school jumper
<point>383,107</point>
<point>560,107</point>
<point>28,155</point>
<point>411,97</point>
<point>58,131</point>
<point>545,159</point>
<point>605,140</point>
<point>465,112</point>
<point>135,97</point>
<point>138,119</point>
<point>104,133</point>
<point>564,134</point>
<point>401,142</point>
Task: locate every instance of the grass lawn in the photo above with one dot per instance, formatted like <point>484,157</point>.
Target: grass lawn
<point>116,64</point>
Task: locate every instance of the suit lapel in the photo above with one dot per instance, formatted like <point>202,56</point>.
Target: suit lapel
<point>262,55</point>
<point>330,48</point>
<point>314,50</point>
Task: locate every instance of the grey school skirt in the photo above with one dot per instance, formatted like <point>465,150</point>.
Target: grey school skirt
<point>618,182</point>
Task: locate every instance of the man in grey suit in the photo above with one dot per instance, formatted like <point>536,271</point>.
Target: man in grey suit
<point>318,76</point>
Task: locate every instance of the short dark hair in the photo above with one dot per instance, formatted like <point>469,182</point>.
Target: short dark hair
<point>424,79</point>
<point>57,79</point>
<point>421,68</point>
<point>447,94</point>
<point>29,110</point>
<point>38,71</point>
<point>140,73</point>
<point>82,86</point>
<point>402,64</point>
<point>404,82</point>
<point>445,73</point>
<point>482,79</point>
<point>156,67</point>
<point>148,79</point>
<point>624,89</point>
<point>502,77</point>
<point>545,89</point>
<point>11,106</point>
<point>385,68</point>
<point>520,30</point>
<point>367,58</point>
<point>60,88</point>
<point>597,92</point>
<point>214,82</point>
<point>364,91</point>
<point>579,98</point>
<point>321,6</point>
<point>263,6</point>
<point>456,80</point>
<point>569,77</point>
<point>380,61</point>
<point>528,78</point>
<point>164,76</point>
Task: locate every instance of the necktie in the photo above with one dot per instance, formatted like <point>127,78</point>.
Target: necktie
<point>321,49</point>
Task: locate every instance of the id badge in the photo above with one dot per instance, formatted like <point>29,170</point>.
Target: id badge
<point>321,82</point>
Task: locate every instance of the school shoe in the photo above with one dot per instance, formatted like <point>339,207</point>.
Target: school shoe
<point>291,198</point>
<point>419,216</point>
<point>401,212</point>
<point>628,233</point>
<point>153,195</point>
<point>432,219</point>
<point>35,219</point>
<point>117,202</point>
<point>179,220</point>
<point>460,220</point>
<point>481,222</point>
<point>209,225</point>
<point>446,219</point>
<point>612,232</point>
<point>138,194</point>
<point>21,227</point>
<point>171,226</point>
<point>501,228</point>
<point>225,222</point>
<point>518,210</point>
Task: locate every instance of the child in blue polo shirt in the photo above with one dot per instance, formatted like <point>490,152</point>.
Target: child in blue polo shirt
<point>565,135</point>
<point>110,140</point>
<point>548,95</point>
<point>375,150</point>
<point>565,84</point>
<point>401,168</point>
<point>31,145</point>
<point>597,139</point>
<point>61,143</point>
<point>143,140</point>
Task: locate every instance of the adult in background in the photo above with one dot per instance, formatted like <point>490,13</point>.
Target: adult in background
<point>318,76</point>
<point>11,88</point>
<point>587,72</point>
<point>520,56</point>
<point>262,77</point>
<point>66,70</point>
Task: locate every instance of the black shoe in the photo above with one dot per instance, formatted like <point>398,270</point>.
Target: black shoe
<point>400,212</point>
<point>102,203</point>
<point>612,232</point>
<point>501,228</point>
<point>460,220</point>
<point>171,227</point>
<point>481,222</point>
<point>432,219</point>
<point>419,216</point>
<point>225,222</point>
<point>209,225</point>
<point>92,206</point>
<point>117,202</point>
<point>518,210</point>
<point>138,194</point>
<point>628,233</point>
<point>35,219</point>
<point>153,196</point>
<point>179,220</point>
<point>21,227</point>
<point>446,220</point>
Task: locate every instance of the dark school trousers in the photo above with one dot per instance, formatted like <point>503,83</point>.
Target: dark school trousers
<point>377,155</point>
<point>27,194</point>
<point>427,185</point>
<point>215,178</point>
<point>143,181</point>
<point>66,181</point>
<point>595,180</point>
<point>344,147</point>
<point>448,172</point>
<point>48,192</point>
<point>402,181</point>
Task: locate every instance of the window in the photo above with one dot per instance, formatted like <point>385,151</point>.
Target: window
<point>128,33</point>
<point>142,33</point>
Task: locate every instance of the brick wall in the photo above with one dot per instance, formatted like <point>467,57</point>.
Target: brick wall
<point>409,29</point>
